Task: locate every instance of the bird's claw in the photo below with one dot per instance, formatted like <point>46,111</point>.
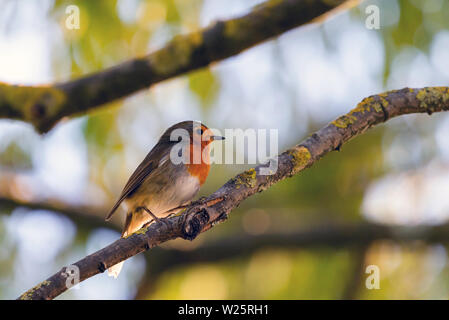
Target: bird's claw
<point>158,220</point>
<point>203,201</point>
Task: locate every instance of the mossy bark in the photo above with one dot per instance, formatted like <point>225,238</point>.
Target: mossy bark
<point>200,217</point>
<point>44,106</point>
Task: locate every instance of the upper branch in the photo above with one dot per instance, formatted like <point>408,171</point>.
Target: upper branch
<point>43,106</point>
<point>200,217</point>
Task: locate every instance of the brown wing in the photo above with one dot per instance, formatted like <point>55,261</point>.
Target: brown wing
<point>148,164</point>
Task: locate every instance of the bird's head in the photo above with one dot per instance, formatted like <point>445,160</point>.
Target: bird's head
<point>193,131</point>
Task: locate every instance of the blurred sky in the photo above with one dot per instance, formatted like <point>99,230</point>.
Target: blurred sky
<point>296,84</point>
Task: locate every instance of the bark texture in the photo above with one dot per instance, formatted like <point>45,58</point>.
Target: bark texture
<point>198,218</point>
<point>43,106</point>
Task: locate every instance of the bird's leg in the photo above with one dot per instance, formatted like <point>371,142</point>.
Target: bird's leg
<point>175,210</point>
<point>203,201</point>
<point>210,202</point>
<point>172,214</point>
<point>147,224</point>
<point>200,201</point>
<point>152,215</point>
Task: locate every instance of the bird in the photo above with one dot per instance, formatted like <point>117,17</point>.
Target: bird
<point>169,177</point>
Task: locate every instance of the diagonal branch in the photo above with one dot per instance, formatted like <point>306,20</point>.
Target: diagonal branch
<point>83,215</point>
<point>199,218</point>
<point>43,106</point>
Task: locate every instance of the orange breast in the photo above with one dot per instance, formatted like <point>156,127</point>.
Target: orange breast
<point>200,170</point>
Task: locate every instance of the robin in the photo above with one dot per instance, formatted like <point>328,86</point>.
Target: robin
<point>168,178</point>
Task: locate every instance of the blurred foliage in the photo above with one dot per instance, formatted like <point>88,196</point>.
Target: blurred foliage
<point>14,157</point>
<point>111,32</point>
<point>204,84</point>
<point>271,273</point>
<point>418,21</point>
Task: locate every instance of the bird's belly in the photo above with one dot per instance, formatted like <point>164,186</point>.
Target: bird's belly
<point>161,195</point>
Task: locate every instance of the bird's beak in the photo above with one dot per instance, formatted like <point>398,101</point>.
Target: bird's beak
<point>217,138</point>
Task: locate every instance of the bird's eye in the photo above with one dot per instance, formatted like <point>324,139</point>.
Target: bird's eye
<point>200,131</point>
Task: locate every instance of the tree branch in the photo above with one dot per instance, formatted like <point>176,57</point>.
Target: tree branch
<point>356,236</point>
<point>199,218</point>
<point>356,275</point>
<point>43,106</point>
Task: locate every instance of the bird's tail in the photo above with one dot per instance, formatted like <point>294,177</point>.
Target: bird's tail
<point>115,270</point>
<point>132,224</point>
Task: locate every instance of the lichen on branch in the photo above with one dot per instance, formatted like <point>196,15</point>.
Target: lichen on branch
<point>44,106</point>
<point>199,217</point>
